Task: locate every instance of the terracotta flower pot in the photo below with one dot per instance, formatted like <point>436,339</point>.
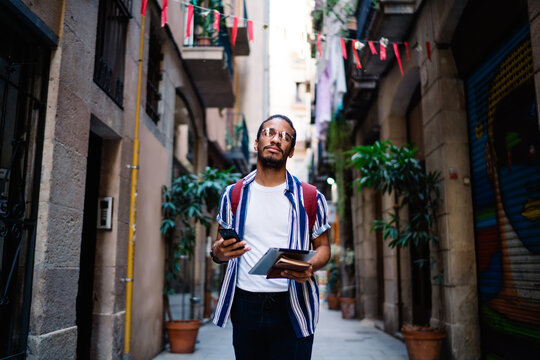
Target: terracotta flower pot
<point>347,307</point>
<point>182,335</point>
<point>204,41</point>
<point>333,302</point>
<point>423,342</point>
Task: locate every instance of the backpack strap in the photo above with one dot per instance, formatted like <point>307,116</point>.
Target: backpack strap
<point>235,196</point>
<point>310,200</point>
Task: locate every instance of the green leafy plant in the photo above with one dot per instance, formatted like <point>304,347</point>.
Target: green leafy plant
<point>333,272</point>
<point>339,142</point>
<point>190,201</point>
<point>204,20</point>
<point>328,7</point>
<point>395,171</point>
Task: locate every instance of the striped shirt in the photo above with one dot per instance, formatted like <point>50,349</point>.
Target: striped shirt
<point>303,305</point>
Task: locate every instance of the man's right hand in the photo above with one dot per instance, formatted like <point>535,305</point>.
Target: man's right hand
<point>225,250</point>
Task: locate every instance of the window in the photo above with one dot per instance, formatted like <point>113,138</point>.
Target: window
<point>113,19</point>
<point>301,90</point>
<point>154,75</point>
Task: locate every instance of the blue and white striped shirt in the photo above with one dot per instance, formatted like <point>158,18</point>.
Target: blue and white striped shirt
<point>303,303</point>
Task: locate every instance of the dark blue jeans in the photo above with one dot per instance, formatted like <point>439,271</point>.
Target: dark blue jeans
<point>262,328</point>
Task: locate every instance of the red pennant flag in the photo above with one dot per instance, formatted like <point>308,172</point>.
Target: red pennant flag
<point>234,30</point>
<point>372,47</point>
<point>319,36</point>
<point>383,51</point>
<point>250,30</point>
<point>143,7</point>
<point>407,48</point>
<point>428,49</point>
<point>164,13</point>
<point>343,49</point>
<point>189,18</point>
<point>396,51</point>
<point>357,60</point>
<point>217,15</point>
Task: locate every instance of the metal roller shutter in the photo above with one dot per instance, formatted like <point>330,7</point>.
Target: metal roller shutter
<point>505,159</point>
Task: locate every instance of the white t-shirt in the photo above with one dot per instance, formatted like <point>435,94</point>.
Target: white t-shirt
<point>267,225</point>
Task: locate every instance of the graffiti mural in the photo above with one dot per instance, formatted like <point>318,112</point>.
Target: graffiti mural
<point>504,142</point>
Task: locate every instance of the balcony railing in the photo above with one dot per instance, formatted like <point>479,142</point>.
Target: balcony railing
<point>204,35</point>
<point>237,141</point>
<point>207,55</point>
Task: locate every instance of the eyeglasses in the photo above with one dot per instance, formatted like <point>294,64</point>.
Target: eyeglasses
<point>284,136</point>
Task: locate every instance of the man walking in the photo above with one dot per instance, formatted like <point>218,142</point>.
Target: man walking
<point>272,318</point>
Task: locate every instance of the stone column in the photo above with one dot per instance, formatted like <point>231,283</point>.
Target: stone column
<point>397,290</point>
<point>369,256</point>
<point>446,146</point>
<point>358,239</point>
<point>53,333</point>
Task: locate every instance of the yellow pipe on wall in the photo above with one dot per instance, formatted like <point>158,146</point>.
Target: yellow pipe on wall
<point>133,202</point>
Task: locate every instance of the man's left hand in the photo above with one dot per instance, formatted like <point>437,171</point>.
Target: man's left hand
<point>300,276</point>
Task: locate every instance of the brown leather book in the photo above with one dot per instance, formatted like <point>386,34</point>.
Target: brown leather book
<point>285,263</point>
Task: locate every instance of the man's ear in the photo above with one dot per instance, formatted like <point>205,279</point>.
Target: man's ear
<point>256,145</point>
<point>291,153</point>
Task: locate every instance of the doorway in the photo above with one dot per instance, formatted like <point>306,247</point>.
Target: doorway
<point>419,254</point>
<point>88,248</point>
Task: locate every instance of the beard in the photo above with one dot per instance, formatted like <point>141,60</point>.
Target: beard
<point>271,163</point>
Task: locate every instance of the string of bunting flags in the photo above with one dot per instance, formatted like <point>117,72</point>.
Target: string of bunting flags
<point>356,45</point>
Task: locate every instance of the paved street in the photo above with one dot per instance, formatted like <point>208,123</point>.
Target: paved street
<point>335,338</point>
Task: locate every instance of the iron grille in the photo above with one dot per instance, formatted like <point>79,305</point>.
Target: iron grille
<point>127,5</point>
<point>154,76</point>
<point>111,48</point>
<point>23,81</point>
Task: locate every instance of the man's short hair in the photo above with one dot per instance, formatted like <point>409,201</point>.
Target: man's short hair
<point>280,117</point>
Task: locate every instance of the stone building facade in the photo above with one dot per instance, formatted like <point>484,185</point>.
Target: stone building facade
<point>69,72</point>
<point>461,106</point>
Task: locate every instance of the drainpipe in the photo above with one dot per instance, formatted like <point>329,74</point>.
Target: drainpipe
<point>133,202</point>
<point>266,62</point>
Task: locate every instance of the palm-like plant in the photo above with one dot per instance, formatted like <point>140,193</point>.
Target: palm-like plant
<point>395,171</point>
<point>333,272</point>
<point>204,20</point>
<point>190,201</point>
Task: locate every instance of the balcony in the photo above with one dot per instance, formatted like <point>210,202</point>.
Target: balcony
<point>392,20</point>
<point>207,56</point>
<point>241,47</point>
<point>242,41</point>
<point>237,140</point>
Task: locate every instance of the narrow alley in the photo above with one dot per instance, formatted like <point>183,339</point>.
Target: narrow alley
<point>335,338</point>
<point>381,157</point>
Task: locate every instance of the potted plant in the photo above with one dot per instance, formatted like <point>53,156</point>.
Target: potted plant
<point>347,298</point>
<point>204,22</point>
<point>395,171</point>
<point>339,142</point>
<point>333,276</point>
<point>188,202</point>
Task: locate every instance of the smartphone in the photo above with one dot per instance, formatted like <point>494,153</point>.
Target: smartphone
<point>229,234</point>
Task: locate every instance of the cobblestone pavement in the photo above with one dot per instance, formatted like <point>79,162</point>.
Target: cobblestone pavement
<point>335,338</point>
